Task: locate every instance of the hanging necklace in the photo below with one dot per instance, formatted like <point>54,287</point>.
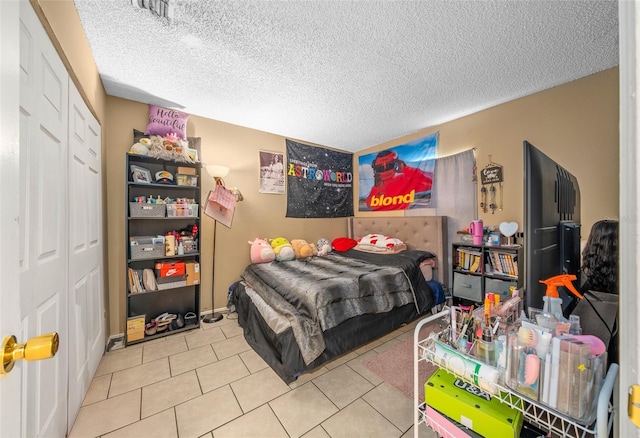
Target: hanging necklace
<point>492,198</point>
<point>483,201</point>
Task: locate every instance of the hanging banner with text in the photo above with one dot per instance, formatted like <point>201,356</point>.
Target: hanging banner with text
<point>398,178</point>
<point>319,182</point>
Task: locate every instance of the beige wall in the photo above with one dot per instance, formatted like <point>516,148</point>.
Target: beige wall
<point>576,124</point>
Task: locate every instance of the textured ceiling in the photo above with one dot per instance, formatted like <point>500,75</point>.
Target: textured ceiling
<point>345,74</point>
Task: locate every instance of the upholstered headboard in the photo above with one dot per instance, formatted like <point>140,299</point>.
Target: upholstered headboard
<point>428,233</point>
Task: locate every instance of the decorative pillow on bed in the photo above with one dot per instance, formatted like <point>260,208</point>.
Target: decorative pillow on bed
<point>342,244</point>
<point>380,243</point>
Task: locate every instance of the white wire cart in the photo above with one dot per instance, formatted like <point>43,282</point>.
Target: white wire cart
<point>533,412</point>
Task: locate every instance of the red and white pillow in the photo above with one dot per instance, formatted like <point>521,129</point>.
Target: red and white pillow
<point>380,243</point>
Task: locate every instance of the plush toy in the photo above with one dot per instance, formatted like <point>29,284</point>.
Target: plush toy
<point>141,147</point>
<point>302,248</point>
<point>261,251</point>
<point>169,148</point>
<point>324,246</point>
<point>283,249</point>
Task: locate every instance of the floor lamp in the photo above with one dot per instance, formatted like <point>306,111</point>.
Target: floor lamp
<point>217,172</point>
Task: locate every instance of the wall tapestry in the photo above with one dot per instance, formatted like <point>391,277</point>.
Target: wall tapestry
<point>398,178</point>
<point>319,182</point>
<point>271,172</point>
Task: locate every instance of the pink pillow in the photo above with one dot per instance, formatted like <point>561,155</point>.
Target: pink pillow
<point>163,121</point>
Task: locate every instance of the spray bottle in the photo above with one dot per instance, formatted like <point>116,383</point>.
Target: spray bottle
<point>552,301</point>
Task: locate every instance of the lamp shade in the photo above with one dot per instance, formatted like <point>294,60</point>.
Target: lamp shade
<point>217,171</point>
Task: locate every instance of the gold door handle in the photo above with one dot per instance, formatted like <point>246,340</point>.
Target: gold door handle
<point>633,405</point>
<point>40,347</point>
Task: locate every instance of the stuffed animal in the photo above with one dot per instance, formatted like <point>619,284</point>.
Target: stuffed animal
<point>141,147</point>
<point>324,246</point>
<point>261,251</point>
<point>283,249</point>
<point>169,148</point>
<point>302,248</point>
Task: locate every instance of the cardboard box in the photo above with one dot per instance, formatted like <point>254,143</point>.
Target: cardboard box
<point>193,273</point>
<point>170,269</point>
<point>186,170</point>
<point>471,406</point>
<point>135,327</point>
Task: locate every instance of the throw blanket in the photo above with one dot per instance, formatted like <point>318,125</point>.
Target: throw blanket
<point>319,293</point>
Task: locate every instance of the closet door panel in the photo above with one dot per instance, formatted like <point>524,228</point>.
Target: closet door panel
<point>43,262</point>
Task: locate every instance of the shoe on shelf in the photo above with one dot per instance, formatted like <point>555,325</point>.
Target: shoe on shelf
<point>190,318</point>
<point>164,320</point>
<point>151,328</point>
<point>177,323</point>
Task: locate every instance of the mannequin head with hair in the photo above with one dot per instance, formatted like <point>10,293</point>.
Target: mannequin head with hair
<point>600,258</point>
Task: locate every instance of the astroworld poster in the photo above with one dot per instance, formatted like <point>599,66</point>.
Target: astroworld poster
<point>398,178</point>
<point>319,182</point>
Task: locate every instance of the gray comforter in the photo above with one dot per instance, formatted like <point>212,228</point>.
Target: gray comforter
<point>316,294</point>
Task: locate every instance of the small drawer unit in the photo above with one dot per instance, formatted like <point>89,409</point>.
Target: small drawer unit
<point>467,286</point>
<point>481,269</point>
<point>500,287</point>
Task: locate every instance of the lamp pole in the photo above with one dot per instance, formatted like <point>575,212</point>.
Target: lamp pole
<point>217,172</point>
<point>214,317</point>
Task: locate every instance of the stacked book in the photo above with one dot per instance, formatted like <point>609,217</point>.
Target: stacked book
<point>469,259</point>
<point>503,263</point>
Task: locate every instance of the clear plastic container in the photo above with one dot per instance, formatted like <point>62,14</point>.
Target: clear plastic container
<point>182,210</point>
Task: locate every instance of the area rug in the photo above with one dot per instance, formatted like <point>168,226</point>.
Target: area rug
<point>395,365</point>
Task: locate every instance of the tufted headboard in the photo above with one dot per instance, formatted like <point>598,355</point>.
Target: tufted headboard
<point>428,233</point>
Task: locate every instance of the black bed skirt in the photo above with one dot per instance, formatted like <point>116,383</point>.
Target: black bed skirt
<point>281,351</point>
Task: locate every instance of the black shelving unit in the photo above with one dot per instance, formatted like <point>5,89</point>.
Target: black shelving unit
<point>178,298</point>
<point>498,269</point>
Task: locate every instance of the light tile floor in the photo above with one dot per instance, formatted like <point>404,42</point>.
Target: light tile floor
<point>209,383</point>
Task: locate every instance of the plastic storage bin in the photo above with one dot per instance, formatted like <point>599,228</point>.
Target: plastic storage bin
<point>182,210</point>
<point>186,180</point>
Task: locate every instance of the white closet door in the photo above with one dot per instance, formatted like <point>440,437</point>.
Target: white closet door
<point>86,302</point>
<point>10,385</point>
<point>43,248</point>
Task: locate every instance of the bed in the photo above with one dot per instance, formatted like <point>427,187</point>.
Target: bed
<point>299,314</point>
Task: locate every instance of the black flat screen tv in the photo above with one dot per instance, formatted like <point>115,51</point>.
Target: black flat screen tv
<point>551,226</point>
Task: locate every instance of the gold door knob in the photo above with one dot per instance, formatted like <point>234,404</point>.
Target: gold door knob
<point>40,347</point>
